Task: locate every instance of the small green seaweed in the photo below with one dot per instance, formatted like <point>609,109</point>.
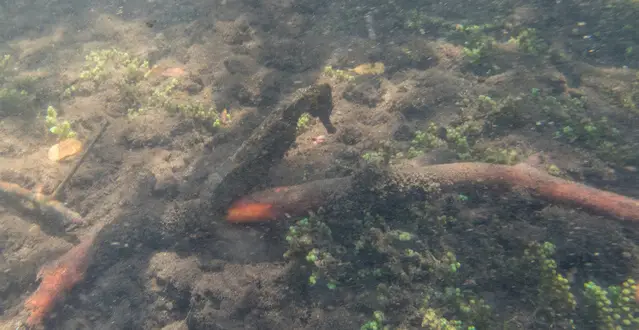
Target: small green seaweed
<point>62,129</point>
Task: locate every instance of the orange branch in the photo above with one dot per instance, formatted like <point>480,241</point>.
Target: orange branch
<point>296,200</point>
<point>58,278</point>
<point>45,204</point>
<point>538,183</point>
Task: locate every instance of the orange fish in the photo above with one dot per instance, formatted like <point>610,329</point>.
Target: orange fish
<point>246,212</point>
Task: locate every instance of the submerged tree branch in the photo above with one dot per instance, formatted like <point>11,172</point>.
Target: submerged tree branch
<point>296,200</point>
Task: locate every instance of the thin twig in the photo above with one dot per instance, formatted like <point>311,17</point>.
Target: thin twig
<point>58,189</point>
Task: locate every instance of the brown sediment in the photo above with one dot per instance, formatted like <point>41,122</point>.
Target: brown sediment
<point>58,278</point>
<point>295,200</point>
<point>48,204</point>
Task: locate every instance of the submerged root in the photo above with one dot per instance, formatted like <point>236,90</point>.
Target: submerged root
<point>58,278</point>
<point>295,200</point>
<point>531,180</point>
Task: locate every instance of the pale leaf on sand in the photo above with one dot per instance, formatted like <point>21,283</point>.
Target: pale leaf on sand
<point>64,149</point>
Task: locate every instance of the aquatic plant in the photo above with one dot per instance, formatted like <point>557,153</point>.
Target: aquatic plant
<point>478,46</point>
<point>62,129</point>
<point>612,308</point>
<point>103,64</point>
<point>554,295</point>
<point>338,74</point>
<point>425,141</point>
<point>303,122</point>
<point>529,42</point>
<point>142,88</point>
<point>377,323</point>
<point>14,99</point>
